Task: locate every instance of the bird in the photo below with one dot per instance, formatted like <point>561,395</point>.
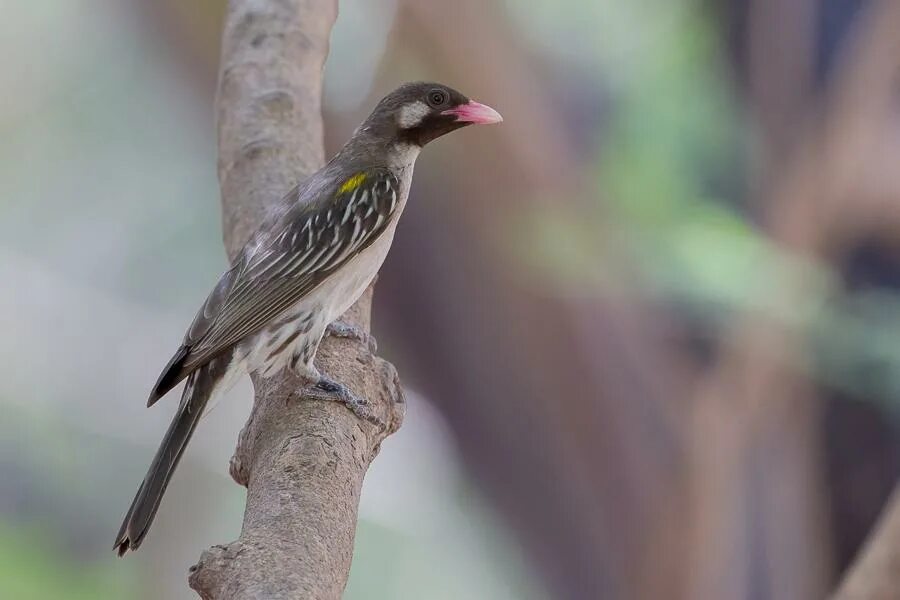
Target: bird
<point>310,260</point>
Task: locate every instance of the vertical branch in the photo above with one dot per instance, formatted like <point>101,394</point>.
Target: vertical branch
<point>269,105</point>
<point>303,462</point>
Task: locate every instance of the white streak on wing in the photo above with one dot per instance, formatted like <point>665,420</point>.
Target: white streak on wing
<point>368,202</point>
<point>349,208</point>
<point>258,259</point>
<point>294,263</point>
<point>308,268</point>
<point>326,258</point>
<point>269,266</point>
<point>357,227</point>
<point>264,257</point>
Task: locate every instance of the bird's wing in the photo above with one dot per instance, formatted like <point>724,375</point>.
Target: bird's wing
<point>302,251</point>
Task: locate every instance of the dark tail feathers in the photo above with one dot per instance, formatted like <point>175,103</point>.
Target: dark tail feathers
<point>170,376</point>
<point>197,391</point>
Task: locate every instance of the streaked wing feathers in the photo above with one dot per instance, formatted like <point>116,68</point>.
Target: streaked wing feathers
<point>303,250</point>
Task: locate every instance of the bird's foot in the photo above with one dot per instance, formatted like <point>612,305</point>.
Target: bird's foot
<point>327,389</point>
<point>342,329</point>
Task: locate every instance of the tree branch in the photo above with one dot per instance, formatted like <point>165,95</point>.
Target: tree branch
<point>303,462</point>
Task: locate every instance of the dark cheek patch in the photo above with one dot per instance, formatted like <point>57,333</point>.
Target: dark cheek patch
<point>433,126</point>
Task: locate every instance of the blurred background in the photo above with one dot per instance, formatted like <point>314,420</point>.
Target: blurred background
<point>650,325</point>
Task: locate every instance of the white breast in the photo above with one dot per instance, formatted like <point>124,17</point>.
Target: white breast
<point>340,291</point>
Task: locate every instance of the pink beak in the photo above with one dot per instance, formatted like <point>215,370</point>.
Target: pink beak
<point>475,112</point>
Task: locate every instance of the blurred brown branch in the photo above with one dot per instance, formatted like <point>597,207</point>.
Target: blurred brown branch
<point>303,462</point>
<point>563,407</point>
<point>876,573</point>
<point>757,418</point>
<point>862,145</point>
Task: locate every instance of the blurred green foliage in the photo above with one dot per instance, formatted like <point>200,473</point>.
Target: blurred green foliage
<point>670,190</point>
<point>33,567</point>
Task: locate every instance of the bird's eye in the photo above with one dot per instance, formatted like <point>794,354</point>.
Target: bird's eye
<point>437,97</point>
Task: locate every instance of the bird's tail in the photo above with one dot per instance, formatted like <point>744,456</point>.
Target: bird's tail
<point>197,391</point>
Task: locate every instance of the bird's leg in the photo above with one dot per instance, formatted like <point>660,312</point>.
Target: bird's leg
<point>342,329</point>
<point>322,387</point>
<point>327,389</point>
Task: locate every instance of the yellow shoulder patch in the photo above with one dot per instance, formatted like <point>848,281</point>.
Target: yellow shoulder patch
<point>352,183</point>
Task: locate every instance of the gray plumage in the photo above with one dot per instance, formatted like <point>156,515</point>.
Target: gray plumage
<point>306,265</point>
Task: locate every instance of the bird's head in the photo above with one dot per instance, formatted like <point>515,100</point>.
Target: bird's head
<point>416,113</point>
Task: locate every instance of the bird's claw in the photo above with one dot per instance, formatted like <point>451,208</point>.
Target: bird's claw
<point>331,391</point>
<point>345,330</point>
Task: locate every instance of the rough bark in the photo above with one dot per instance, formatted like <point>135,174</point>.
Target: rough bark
<point>303,462</point>
<point>876,573</point>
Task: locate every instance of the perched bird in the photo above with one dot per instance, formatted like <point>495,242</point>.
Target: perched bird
<point>306,265</point>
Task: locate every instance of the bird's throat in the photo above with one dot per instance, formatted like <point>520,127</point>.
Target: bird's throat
<point>402,156</point>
